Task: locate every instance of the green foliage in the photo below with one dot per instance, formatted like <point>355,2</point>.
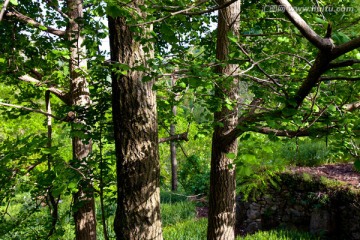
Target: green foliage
<point>195,229</point>
<point>279,235</point>
<point>307,153</point>
<point>194,175</point>
<point>258,163</point>
<point>170,197</point>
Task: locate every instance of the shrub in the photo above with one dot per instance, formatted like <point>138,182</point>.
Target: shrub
<point>194,175</point>
<point>308,154</point>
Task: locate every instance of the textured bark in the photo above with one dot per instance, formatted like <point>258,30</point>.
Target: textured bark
<point>84,203</point>
<point>174,179</point>
<point>136,139</point>
<point>221,220</point>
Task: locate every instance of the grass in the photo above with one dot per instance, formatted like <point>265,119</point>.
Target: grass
<point>195,229</point>
<point>179,223</point>
<point>279,234</point>
<point>172,214</point>
<point>190,229</point>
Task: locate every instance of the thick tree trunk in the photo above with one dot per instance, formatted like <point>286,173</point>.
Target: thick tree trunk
<point>136,139</point>
<point>84,203</point>
<point>221,220</point>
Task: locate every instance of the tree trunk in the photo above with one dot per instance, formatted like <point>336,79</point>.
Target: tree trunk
<point>136,139</point>
<point>84,203</point>
<point>174,180</point>
<point>221,220</point>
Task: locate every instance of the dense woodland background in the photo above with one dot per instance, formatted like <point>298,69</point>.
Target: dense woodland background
<point>197,100</point>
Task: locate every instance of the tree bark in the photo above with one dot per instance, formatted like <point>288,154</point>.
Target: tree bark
<point>84,203</point>
<point>174,179</point>
<point>136,138</point>
<point>221,221</point>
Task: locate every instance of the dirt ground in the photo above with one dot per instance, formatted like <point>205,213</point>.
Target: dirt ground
<point>344,172</point>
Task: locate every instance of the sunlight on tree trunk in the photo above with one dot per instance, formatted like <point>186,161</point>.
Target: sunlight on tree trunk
<point>84,203</point>
<point>221,220</point>
<point>136,138</point>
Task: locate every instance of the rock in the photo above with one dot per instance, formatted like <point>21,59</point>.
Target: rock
<point>252,227</point>
<point>320,221</point>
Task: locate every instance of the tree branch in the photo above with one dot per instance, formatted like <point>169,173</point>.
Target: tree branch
<point>177,137</point>
<point>346,47</point>
<point>345,63</point>
<point>30,109</point>
<point>262,34</point>
<point>352,106</point>
<point>32,22</point>
<point>56,8</point>
<point>3,9</point>
<point>304,28</point>
<point>186,11</point>
<point>340,78</point>
<point>212,9</point>
<point>288,133</point>
<point>57,92</point>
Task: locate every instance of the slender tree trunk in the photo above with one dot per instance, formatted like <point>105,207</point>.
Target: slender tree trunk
<point>84,203</point>
<point>221,220</point>
<point>136,138</point>
<point>174,179</point>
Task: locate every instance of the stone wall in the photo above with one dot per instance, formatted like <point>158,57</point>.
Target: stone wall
<point>303,202</point>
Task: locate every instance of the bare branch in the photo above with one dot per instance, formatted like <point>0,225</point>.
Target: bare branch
<point>32,22</point>
<point>352,106</point>
<point>187,12</point>
<point>177,137</point>
<point>282,133</point>
<point>346,47</point>
<point>57,92</point>
<point>340,78</point>
<point>212,9</point>
<point>304,28</point>
<point>29,109</point>
<point>56,8</point>
<point>263,34</point>
<point>291,134</point>
<point>172,14</point>
<point>345,63</point>
<point>3,9</point>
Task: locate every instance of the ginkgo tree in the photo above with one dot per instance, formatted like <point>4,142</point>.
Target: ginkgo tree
<point>280,73</point>
<point>45,54</point>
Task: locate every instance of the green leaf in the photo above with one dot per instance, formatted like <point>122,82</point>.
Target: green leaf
<point>332,108</point>
<point>2,60</point>
<point>14,2</point>
<point>231,155</point>
<point>249,158</point>
<point>182,84</point>
<point>320,20</point>
<point>42,28</point>
<point>244,171</point>
<point>72,186</point>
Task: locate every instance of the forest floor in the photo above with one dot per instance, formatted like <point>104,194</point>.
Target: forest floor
<point>344,172</point>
